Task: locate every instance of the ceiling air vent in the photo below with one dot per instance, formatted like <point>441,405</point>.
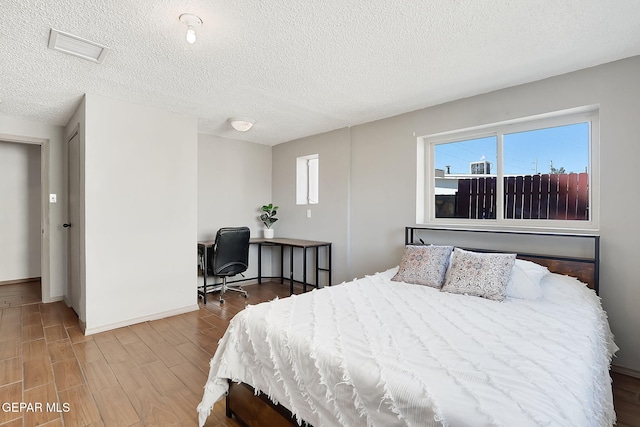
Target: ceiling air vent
<point>77,46</point>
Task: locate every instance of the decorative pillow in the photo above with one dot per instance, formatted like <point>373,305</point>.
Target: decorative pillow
<point>479,274</point>
<point>525,280</point>
<point>424,265</point>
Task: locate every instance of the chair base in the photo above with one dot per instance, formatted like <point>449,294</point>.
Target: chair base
<point>223,287</point>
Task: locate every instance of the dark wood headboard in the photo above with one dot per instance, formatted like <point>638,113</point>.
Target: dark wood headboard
<point>585,269</point>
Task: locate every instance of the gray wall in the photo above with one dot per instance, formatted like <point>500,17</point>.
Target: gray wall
<point>20,211</point>
<point>234,180</point>
<point>330,218</point>
<point>379,181</point>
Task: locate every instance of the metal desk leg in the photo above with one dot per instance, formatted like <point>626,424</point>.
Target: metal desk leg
<point>317,268</point>
<point>204,287</point>
<point>329,266</point>
<point>282,265</point>
<point>204,276</point>
<point>304,269</point>
<point>259,263</point>
<point>291,268</point>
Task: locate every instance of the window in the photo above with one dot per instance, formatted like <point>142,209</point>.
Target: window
<point>536,172</point>
<point>307,187</point>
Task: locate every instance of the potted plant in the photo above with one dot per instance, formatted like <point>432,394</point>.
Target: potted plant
<point>268,218</point>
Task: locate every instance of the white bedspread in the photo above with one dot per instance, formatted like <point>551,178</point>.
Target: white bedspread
<point>378,353</point>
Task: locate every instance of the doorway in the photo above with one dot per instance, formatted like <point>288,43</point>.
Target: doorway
<point>44,207</point>
<point>21,192</point>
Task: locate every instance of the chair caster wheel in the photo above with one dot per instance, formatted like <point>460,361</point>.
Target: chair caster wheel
<point>221,301</point>
<point>246,296</point>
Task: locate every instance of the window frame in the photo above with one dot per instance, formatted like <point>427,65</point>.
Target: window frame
<point>306,178</point>
<point>425,196</point>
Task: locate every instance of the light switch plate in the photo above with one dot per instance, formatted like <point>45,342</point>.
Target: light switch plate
<point>53,198</point>
<point>308,213</point>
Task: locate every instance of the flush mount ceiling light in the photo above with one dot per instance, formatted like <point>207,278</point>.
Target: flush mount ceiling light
<point>192,22</point>
<point>241,124</point>
<point>77,46</point>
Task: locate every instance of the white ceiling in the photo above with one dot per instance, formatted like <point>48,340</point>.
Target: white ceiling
<point>299,67</point>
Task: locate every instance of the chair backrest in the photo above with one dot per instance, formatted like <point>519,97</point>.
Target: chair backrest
<point>230,254</point>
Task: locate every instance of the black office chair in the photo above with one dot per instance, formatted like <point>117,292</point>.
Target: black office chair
<point>228,256</point>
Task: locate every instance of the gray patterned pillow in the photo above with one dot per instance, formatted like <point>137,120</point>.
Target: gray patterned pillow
<point>424,265</point>
<point>479,274</point>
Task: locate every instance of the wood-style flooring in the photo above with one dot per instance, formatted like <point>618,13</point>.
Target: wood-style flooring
<point>150,374</point>
<point>17,294</point>
<point>626,399</point>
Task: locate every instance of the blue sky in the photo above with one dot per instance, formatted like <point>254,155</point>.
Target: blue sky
<point>524,152</point>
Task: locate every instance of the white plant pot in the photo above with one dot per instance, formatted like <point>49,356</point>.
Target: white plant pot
<point>268,233</point>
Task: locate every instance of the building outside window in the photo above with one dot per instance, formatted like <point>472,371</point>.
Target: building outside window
<point>533,172</point>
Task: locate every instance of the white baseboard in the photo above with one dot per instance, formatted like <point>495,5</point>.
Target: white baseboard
<point>155,316</point>
<point>625,371</point>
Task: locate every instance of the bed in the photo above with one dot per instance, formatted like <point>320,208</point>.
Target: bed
<point>379,351</point>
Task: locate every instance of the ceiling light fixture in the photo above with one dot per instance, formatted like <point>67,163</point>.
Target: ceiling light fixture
<point>241,124</point>
<point>192,22</point>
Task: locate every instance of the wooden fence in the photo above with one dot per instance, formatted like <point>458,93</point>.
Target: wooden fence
<point>551,196</point>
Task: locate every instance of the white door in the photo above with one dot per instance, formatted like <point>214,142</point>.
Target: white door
<point>73,225</point>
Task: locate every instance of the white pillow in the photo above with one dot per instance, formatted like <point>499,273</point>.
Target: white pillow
<point>388,274</point>
<point>563,289</point>
<point>525,279</point>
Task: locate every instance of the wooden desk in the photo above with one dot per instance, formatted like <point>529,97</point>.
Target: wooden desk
<point>280,242</point>
<point>292,244</point>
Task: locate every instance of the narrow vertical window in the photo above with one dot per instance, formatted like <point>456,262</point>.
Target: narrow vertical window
<point>307,184</point>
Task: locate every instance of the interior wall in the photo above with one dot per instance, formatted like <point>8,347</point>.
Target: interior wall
<point>234,181</point>
<point>383,191</point>
<point>329,220</point>
<point>140,185</point>
<point>20,191</point>
<point>384,170</point>
<point>380,179</point>
<point>54,243</point>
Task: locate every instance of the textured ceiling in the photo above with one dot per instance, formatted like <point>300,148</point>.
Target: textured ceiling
<point>299,67</point>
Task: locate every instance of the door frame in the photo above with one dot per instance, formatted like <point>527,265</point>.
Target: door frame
<point>45,239</point>
<point>75,228</point>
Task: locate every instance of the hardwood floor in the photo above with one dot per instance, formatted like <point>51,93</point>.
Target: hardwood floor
<point>17,294</point>
<point>626,399</point>
<point>149,374</point>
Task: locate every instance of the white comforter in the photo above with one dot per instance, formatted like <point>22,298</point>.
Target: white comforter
<point>378,353</point>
